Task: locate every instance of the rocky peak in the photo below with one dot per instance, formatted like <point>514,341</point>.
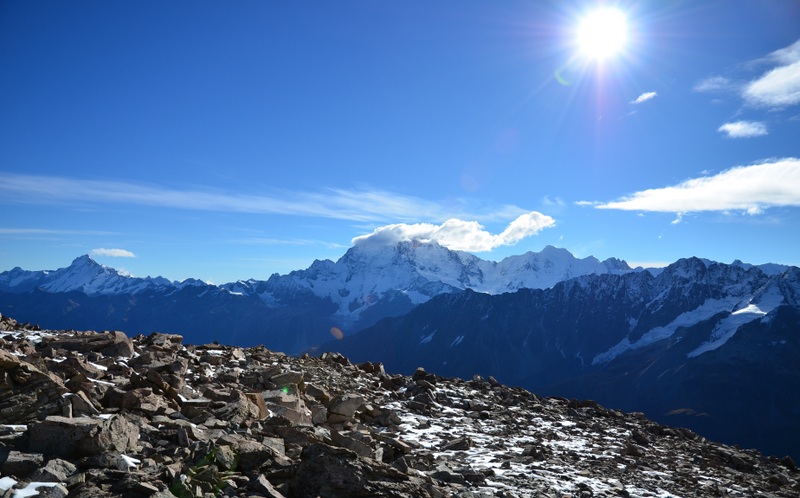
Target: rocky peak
<point>86,261</point>
<point>100,414</point>
<point>617,265</point>
<point>685,269</point>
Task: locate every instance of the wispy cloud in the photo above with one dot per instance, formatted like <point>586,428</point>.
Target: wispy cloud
<point>786,55</point>
<point>713,84</point>
<point>776,88</point>
<point>743,129</point>
<point>113,253</point>
<point>750,188</point>
<point>361,205</point>
<point>780,86</point>
<point>459,234</point>
<point>644,97</point>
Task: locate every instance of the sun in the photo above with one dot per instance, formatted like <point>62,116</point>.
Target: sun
<point>602,33</point>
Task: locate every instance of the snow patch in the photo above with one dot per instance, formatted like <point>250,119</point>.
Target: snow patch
<point>703,312</point>
<point>427,338</point>
<point>727,327</point>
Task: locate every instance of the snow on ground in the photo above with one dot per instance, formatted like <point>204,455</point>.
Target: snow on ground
<point>560,440</point>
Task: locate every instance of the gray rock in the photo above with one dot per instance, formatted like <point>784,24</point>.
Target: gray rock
<point>346,405</point>
<point>82,436</point>
<point>52,491</point>
<point>111,344</point>
<point>169,341</point>
<point>265,488</point>
<point>351,443</point>
<point>238,409</point>
<point>19,464</point>
<point>26,392</point>
<point>458,444</point>
<point>288,378</point>
<point>56,470</point>
<point>145,400</point>
<point>327,471</point>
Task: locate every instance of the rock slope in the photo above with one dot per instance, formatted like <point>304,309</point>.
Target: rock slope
<point>89,414</point>
<point>709,346</point>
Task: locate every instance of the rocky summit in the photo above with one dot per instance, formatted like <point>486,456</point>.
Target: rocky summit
<point>85,414</point>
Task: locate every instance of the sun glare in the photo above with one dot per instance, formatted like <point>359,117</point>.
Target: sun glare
<point>602,33</point>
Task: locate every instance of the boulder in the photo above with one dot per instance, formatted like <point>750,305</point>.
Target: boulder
<point>26,392</point>
<point>167,341</point>
<point>264,488</point>
<point>82,436</point>
<point>346,405</point>
<point>19,464</point>
<point>145,400</point>
<point>239,409</point>
<point>56,470</point>
<point>338,472</point>
<point>113,344</point>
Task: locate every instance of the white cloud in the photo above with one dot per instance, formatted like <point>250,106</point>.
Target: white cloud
<point>459,234</point>
<point>750,188</point>
<point>743,129</point>
<point>776,88</point>
<point>362,205</point>
<point>786,55</point>
<point>713,84</point>
<point>113,253</point>
<point>553,201</point>
<point>779,87</point>
<point>644,97</point>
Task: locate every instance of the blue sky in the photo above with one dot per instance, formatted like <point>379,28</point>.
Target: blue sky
<point>231,140</point>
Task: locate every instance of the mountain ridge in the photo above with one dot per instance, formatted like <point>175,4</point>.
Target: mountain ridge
<point>695,339</point>
<point>368,282</point>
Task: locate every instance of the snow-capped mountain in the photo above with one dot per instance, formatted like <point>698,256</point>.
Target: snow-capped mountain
<point>370,277</point>
<point>287,312</point>
<point>83,275</point>
<point>690,346</point>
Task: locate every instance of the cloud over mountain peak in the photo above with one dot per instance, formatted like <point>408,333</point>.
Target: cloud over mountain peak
<point>459,234</point>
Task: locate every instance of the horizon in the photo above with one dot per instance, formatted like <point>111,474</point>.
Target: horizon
<point>228,142</point>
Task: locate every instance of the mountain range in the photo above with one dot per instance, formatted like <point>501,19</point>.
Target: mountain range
<point>290,312</point>
<point>702,344</point>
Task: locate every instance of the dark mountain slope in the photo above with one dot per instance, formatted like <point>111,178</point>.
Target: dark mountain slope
<point>712,347</point>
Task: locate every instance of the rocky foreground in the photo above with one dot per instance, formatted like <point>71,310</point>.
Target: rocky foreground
<point>99,414</point>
